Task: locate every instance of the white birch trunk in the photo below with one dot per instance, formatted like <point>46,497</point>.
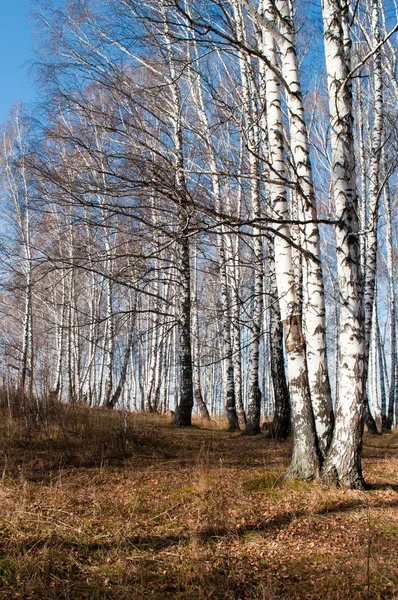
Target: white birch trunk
<point>252,134</point>
<point>383,383</point>
<point>370,260</point>
<point>312,276</point>
<point>388,412</point>
<point>305,461</point>
<point>16,184</point>
<point>373,368</point>
<point>183,413</point>
<point>125,363</point>
<point>200,403</point>
<point>343,463</point>
<point>233,271</point>
<point>56,392</point>
<point>230,376</point>
<point>280,427</point>
<point>26,380</point>
<point>69,355</point>
<point>110,344</point>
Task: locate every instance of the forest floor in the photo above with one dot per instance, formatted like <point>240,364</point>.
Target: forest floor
<point>95,504</point>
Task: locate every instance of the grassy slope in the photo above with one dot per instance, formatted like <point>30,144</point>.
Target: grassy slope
<point>92,506</point>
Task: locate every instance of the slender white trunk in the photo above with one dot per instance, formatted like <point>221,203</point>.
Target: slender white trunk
<point>363,178</point>
<point>183,412</point>
<point>125,363</point>
<point>176,369</point>
<point>252,133</point>
<point>110,343</point>
<point>56,393</point>
<point>17,185</point>
<point>69,354</point>
<point>373,369</point>
<point>312,276</point>
<point>25,380</point>
<point>153,337</point>
<point>280,427</point>
<point>305,461</point>
<point>370,259</point>
<point>343,463</point>
<point>233,270</point>
<point>388,413</point>
<point>77,350</point>
<point>200,403</point>
<point>384,389</point>
<point>229,382</point>
<point>167,376</point>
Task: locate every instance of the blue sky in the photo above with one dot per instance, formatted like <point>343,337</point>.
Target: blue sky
<point>16,45</point>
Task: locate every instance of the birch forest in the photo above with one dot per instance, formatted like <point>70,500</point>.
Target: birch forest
<point>199,217</point>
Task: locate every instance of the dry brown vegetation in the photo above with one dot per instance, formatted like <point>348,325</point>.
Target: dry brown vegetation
<point>97,504</point>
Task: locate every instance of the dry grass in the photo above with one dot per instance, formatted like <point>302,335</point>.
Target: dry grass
<point>104,505</point>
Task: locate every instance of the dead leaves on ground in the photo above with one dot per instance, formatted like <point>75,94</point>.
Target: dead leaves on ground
<point>191,514</point>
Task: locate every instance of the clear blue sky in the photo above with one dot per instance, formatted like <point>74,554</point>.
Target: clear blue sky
<point>16,45</point>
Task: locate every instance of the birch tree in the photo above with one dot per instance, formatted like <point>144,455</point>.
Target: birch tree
<point>305,460</point>
<point>19,192</point>
<point>230,369</point>
<point>343,463</point>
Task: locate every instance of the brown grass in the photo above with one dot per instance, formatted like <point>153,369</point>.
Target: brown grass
<point>95,504</point>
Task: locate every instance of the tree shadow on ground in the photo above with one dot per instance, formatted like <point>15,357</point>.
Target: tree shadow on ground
<point>382,486</point>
